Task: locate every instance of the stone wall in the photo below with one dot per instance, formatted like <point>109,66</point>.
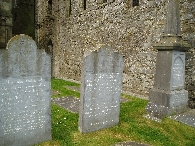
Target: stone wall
<point>188,31</point>
<point>130,30</point>
<point>5,22</point>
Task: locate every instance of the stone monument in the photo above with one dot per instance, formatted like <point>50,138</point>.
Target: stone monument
<point>25,117</point>
<point>168,95</point>
<point>100,90</point>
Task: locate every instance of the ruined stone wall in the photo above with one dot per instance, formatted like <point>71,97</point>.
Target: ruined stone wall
<point>188,33</point>
<point>5,22</point>
<point>130,30</point>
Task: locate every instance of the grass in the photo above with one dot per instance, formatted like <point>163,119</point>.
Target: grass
<point>60,86</point>
<point>132,126</point>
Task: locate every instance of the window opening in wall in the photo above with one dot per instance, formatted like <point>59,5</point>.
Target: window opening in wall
<point>50,6</point>
<point>15,16</point>
<point>6,35</point>
<point>70,8</point>
<point>24,17</point>
<point>135,3</point>
<point>105,1</point>
<point>50,2</point>
<point>14,3</point>
<point>84,4</point>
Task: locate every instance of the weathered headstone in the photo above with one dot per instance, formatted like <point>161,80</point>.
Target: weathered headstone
<point>101,90</point>
<point>168,95</point>
<point>24,93</point>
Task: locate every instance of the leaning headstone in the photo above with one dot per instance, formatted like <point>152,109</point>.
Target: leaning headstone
<point>24,93</point>
<point>101,90</point>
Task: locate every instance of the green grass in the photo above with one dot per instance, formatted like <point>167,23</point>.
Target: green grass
<point>132,127</point>
<point>60,86</point>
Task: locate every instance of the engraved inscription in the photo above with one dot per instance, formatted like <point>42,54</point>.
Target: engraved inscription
<point>24,94</point>
<point>178,99</point>
<point>178,73</point>
<point>101,90</point>
<point>102,99</point>
<point>22,104</point>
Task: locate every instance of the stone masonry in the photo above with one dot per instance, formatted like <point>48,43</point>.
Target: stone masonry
<point>5,22</point>
<point>77,26</point>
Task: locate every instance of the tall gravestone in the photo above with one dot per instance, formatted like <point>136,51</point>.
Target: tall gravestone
<point>101,90</point>
<point>24,93</point>
<point>168,95</point>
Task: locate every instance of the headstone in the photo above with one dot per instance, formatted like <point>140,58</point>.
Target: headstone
<point>101,90</point>
<point>24,93</point>
<point>168,95</point>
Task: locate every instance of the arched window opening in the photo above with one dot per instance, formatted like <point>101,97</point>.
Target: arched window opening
<point>135,3</point>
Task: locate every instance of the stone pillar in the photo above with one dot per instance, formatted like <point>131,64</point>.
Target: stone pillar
<point>168,95</point>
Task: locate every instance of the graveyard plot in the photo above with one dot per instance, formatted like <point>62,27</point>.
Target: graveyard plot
<point>132,127</point>
<point>70,103</point>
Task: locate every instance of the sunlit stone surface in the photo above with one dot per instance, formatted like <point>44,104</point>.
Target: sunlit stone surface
<point>24,93</point>
<point>173,26</point>
<point>101,90</point>
<point>168,95</point>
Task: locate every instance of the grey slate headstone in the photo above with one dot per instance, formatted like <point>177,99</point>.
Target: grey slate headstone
<point>101,90</point>
<point>24,93</point>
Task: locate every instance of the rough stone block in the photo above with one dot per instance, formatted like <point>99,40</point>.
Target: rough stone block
<point>24,93</point>
<point>101,90</point>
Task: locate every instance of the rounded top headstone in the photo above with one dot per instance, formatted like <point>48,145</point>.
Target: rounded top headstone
<point>22,54</point>
<point>20,40</point>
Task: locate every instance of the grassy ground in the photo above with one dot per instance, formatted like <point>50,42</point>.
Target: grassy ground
<point>132,126</point>
<point>60,86</point>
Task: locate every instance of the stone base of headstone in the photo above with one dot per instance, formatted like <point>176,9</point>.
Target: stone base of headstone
<point>163,103</point>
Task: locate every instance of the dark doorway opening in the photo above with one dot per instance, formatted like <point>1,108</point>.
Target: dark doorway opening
<point>23,13</point>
